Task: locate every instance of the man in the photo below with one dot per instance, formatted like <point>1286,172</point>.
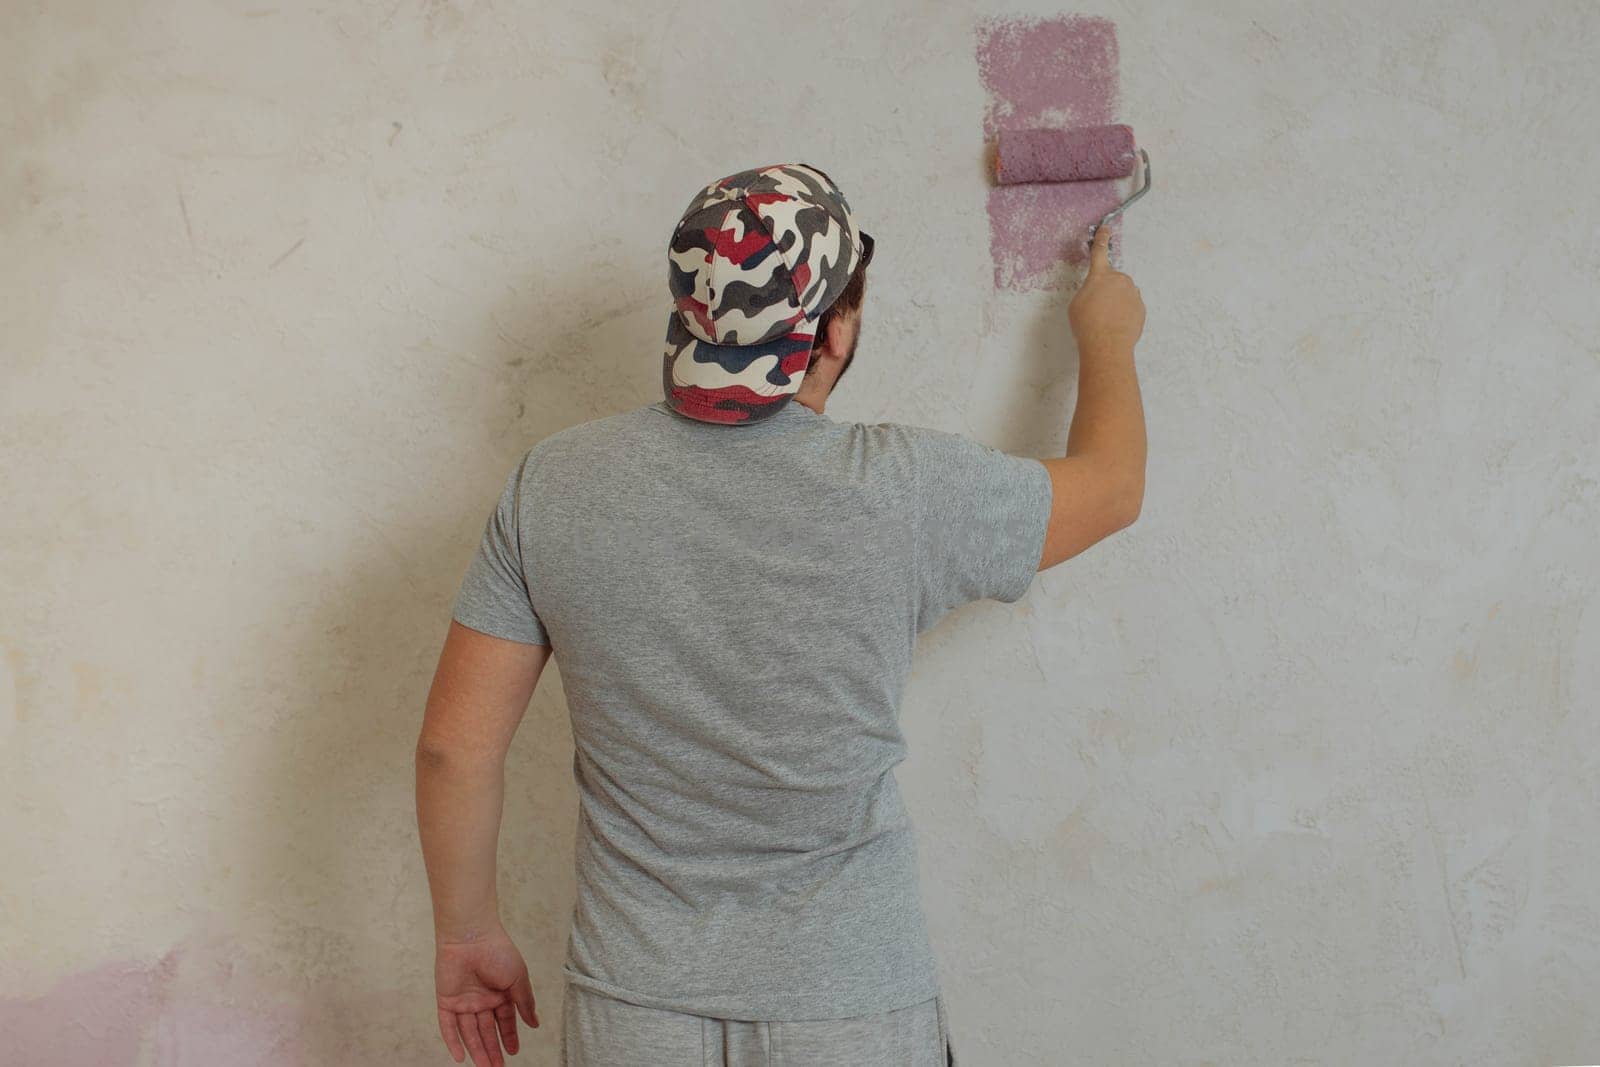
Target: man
<point>734,582</point>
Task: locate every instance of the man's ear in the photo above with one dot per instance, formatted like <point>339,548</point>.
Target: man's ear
<point>837,340</point>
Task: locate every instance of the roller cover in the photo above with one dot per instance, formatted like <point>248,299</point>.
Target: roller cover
<point>1079,154</point>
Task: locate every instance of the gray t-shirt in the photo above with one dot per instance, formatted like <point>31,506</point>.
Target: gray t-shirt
<point>733,610</point>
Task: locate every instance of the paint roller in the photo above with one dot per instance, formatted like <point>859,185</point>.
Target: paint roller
<point>1078,154</point>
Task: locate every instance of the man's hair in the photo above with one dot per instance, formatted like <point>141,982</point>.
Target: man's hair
<point>849,300</point>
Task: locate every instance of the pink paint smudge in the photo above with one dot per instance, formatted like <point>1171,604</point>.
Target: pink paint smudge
<point>96,1018</point>
<point>197,1034</point>
<point>1058,73</point>
<point>125,1013</point>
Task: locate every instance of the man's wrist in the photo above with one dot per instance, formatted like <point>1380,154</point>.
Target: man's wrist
<point>468,930</point>
<point>1104,348</point>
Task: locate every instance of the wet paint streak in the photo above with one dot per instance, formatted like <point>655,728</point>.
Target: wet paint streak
<point>1059,72</point>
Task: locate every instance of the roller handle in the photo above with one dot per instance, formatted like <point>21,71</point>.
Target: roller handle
<point>1114,212</point>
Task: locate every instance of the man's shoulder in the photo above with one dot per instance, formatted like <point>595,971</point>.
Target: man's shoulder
<point>910,441</point>
<point>607,431</point>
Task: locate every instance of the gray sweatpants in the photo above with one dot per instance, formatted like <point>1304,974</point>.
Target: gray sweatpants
<point>600,1031</point>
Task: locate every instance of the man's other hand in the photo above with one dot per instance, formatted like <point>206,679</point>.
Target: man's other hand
<point>482,985</point>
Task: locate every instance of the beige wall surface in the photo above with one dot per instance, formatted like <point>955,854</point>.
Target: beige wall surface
<point>1301,768</point>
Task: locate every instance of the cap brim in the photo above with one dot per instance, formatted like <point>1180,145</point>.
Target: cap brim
<point>733,383</point>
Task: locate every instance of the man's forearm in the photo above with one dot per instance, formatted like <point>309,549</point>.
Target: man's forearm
<point>1108,421</point>
<point>459,800</point>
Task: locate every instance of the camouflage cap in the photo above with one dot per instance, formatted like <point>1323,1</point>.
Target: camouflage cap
<point>756,257</point>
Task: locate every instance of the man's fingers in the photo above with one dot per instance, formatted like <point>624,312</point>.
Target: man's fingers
<point>506,1016</point>
<point>474,1039</point>
<point>522,993</point>
<point>491,1038</point>
<point>452,1040</point>
<point>1098,249</point>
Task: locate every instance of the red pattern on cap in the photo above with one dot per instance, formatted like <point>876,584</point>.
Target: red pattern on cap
<point>802,278</point>
<point>740,249</point>
<point>757,201</point>
<point>701,403</point>
<point>701,313</point>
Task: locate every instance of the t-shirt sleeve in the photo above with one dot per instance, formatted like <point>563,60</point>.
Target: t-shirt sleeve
<point>979,519</point>
<point>494,597</point>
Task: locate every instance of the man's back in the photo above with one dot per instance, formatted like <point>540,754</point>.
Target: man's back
<point>734,609</point>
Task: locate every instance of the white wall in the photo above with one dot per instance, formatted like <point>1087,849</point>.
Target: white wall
<point>1300,768</point>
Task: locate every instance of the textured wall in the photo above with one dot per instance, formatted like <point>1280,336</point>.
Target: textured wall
<point>1299,769</point>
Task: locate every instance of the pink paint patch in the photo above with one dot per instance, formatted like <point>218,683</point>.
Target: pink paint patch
<point>124,1014</point>
<point>1055,73</point>
<point>97,1018</point>
<point>253,1035</point>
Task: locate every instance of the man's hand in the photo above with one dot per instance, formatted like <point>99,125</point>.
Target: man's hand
<point>1107,311</point>
<point>482,985</point>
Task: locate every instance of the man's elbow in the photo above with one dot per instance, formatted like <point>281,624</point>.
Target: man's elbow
<point>431,757</point>
<point>435,756</point>
<point>1131,507</point>
<point>1129,502</point>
